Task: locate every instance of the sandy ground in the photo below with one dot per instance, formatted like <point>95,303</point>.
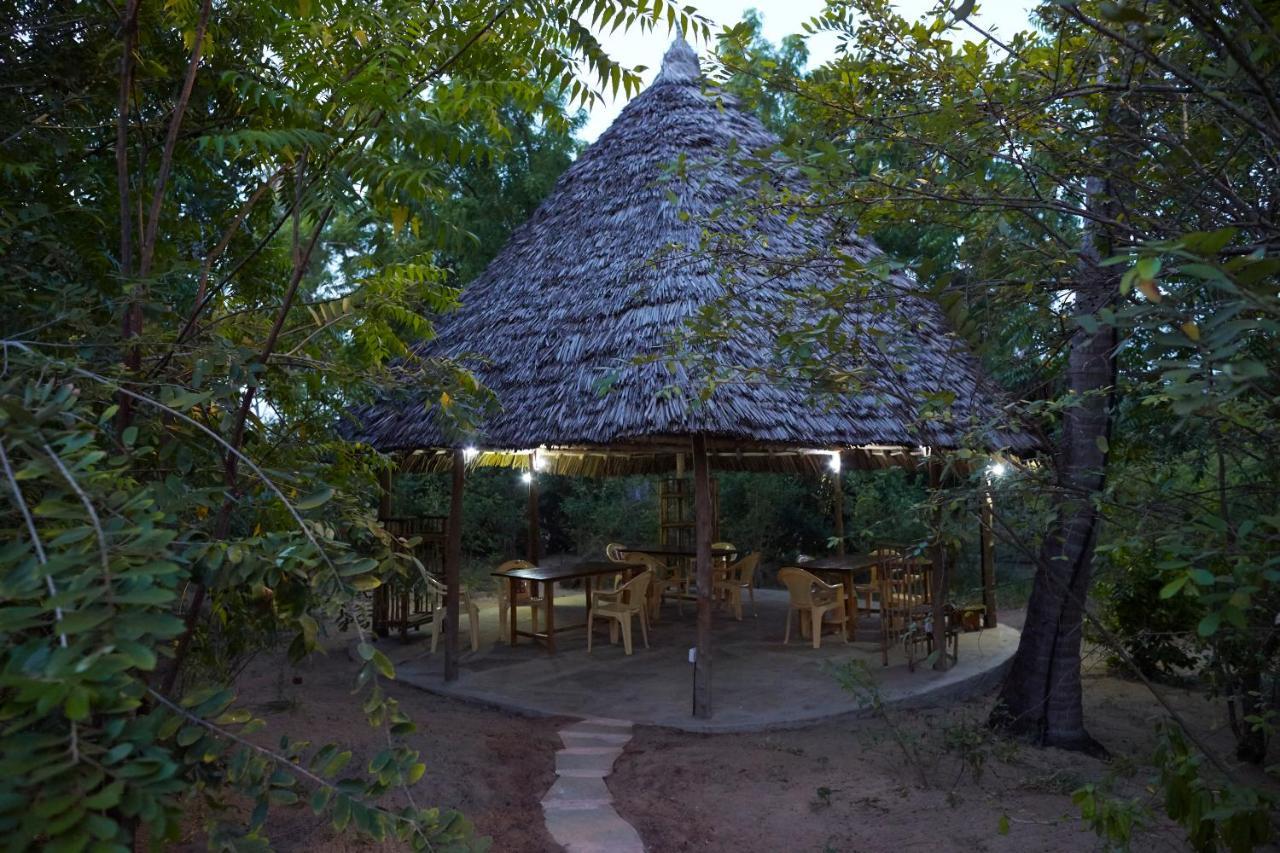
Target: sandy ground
<point>491,766</point>
<point>908,783</point>
<point>915,780</point>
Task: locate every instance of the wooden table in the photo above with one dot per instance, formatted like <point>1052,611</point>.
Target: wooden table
<point>677,551</point>
<point>852,568</point>
<point>550,575</point>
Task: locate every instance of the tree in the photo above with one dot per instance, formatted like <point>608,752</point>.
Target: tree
<point>219,223</point>
<point>1103,192</point>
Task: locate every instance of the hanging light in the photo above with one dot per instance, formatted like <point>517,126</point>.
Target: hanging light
<point>834,462</point>
<point>469,453</point>
<point>526,477</point>
<point>997,469</point>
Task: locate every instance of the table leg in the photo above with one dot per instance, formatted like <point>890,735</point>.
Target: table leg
<point>851,608</point>
<point>586,586</point>
<point>511,607</point>
<point>551,617</point>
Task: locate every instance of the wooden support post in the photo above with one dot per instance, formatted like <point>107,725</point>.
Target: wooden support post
<point>702,537</point>
<point>384,495</point>
<point>535,538</point>
<point>939,554</point>
<point>453,567</point>
<point>988,544</point>
<point>837,486</point>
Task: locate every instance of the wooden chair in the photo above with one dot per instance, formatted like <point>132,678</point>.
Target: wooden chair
<point>524,598</point>
<point>812,598</point>
<point>871,589</point>
<point>631,602</point>
<point>906,611</point>
<point>739,576</point>
<point>440,594</point>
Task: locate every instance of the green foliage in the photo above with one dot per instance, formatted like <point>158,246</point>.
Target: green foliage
<point>219,226</point>
<point>1216,817</point>
<point>1113,819</point>
<point>1156,630</point>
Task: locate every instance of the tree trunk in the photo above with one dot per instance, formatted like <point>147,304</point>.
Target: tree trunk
<point>1042,695</point>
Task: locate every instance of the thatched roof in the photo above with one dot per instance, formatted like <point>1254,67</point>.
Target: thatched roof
<point>569,324</point>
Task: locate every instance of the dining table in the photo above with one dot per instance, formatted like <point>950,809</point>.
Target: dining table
<point>549,576</point>
<point>851,570</point>
<point>690,551</point>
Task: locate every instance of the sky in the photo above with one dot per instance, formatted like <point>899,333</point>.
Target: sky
<point>780,18</point>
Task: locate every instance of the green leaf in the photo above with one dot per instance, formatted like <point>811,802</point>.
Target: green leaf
<point>1209,624</point>
<point>1203,577</point>
<point>314,499</point>
<point>77,704</point>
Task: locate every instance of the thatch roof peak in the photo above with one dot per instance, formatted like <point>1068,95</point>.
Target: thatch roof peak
<point>571,324</point>
<point>679,65</point>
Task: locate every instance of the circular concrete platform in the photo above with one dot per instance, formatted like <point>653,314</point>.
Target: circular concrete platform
<point>757,682</point>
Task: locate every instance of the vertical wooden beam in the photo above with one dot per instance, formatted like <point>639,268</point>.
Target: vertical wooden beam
<point>837,486</point>
<point>535,527</point>
<point>384,495</point>
<point>988,544</point>
<point>702,536</point>
<point>939,579</point>
<point>453,567</point>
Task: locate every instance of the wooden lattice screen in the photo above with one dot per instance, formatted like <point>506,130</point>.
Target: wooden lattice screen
<point>675,512</point>
<point>404,604</point>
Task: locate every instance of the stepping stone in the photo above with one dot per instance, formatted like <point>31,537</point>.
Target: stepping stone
<point>598,830</point>
<point>578,809</point>
<point>586,762</point>
<point>577,792</point>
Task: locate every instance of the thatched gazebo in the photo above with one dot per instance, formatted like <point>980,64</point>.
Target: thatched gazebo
<point>572,323</point>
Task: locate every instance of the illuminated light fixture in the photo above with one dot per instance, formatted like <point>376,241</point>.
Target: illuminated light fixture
<point>527,477</point>
<point>834,462</point>
<point>997,469</point>
<point>469,453</point>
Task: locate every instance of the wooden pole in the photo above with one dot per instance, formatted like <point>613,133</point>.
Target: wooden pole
<point>452,567</point>
<point>702,536</point>
<point>939,573</point>
<point>837,486</point>
<point>384,495</point>
<point>535,538</point>
<point>988,543</point>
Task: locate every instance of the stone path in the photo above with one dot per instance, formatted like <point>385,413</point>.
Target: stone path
<point>579,809</point>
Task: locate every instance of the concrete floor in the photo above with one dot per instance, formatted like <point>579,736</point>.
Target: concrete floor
<point>757,682</point>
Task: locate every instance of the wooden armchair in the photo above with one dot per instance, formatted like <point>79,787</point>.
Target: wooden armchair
<point>812,600</point>
<point>631,602</point>
<point>524,598</point>
<point>738,577</point>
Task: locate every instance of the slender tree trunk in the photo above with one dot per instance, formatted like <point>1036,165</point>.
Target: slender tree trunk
<point>1042,695</point>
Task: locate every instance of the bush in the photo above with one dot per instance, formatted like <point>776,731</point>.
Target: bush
<point>1156,633</point>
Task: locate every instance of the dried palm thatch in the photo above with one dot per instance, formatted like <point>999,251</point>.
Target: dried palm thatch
<point>575,325</point>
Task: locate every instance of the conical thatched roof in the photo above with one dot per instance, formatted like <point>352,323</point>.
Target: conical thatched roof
<point>584,289</point>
